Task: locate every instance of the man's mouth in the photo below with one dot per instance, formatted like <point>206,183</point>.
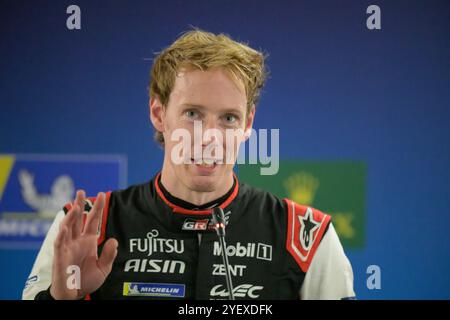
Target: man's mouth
<point>206,163</point>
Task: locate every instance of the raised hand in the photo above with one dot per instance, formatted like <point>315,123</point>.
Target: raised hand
<point>76,245</point>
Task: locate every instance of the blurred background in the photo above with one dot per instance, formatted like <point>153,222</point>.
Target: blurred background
<point>363,117</point>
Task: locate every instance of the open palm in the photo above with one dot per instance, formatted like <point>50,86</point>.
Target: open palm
<point>76,246</point>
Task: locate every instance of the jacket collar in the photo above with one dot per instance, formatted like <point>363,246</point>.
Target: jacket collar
<point>180,210</point>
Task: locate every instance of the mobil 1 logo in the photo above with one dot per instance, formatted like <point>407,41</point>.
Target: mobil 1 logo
<point>257,250</point>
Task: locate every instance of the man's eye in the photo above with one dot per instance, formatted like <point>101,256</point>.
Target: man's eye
<point>230,118</point>
<point>192,114</point>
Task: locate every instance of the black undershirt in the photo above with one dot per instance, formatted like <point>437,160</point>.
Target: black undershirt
<point>190,206</point>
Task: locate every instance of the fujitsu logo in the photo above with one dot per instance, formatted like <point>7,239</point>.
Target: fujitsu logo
<point>153,244</point>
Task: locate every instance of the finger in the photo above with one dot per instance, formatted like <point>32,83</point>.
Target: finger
<point>107,256</point>
<point>93,217</point>
<point>80,199</point>
<point>60,238</point>
<point>77,226</point>
<point>68,220</point>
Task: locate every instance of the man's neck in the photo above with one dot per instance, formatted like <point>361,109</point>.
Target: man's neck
<point>177,189</point>
<point>190,206</point>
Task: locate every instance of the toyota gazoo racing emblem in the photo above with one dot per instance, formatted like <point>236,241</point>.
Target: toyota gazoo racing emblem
<point>196,225</point>
<point>202,224</point>
<point>242,291</point>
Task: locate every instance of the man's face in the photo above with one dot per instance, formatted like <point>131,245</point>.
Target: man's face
<point>214,101</point>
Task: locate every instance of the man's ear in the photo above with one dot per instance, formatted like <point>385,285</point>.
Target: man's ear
<point>249,123</point>
<point>156,113</point>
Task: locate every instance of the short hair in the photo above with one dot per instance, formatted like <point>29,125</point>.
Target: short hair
<point>204,50</point>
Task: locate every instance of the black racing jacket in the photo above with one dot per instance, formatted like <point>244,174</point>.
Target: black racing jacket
<point>170,252</point>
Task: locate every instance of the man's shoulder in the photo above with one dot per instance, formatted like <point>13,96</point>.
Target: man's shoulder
<point>137,189</point>
<point>304,226</point>
<point>132,192</point>
<point>251,194</point>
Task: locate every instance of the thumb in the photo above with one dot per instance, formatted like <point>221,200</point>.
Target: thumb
<point>107,256</point>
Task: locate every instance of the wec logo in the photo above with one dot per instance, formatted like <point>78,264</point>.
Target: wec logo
<point>241,291</point>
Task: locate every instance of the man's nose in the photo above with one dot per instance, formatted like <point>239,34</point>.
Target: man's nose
<point>211,132</point>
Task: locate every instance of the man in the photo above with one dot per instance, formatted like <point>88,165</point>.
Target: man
<point>156,240</point>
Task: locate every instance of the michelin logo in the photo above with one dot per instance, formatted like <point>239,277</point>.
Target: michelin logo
<point>34,188</point>
<point>46,206</point>
<point>24,227</point>
<point>153,289</point>
<point>62,191</point>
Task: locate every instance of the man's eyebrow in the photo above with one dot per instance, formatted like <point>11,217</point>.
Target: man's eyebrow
<point>202,107</point>
<point>234,110</point>
<point>192,105</point>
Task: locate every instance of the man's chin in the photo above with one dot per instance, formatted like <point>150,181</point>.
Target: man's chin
<point>203,183</point>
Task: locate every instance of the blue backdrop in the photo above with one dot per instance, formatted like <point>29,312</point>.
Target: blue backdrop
<point>337,91</point>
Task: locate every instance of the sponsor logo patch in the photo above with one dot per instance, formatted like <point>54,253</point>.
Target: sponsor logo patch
<point>31,280</point>
<point>235,270</point>
<point>248,291</point>
<point>153,243</point>
<point>202,224</point>
<point>153,289</point>
<point>155,266</point>
<point>192,225</point>
<point>306,227</point>
<point>250,250</point>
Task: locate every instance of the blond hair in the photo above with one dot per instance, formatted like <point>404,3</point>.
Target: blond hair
<point>205,50</point>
